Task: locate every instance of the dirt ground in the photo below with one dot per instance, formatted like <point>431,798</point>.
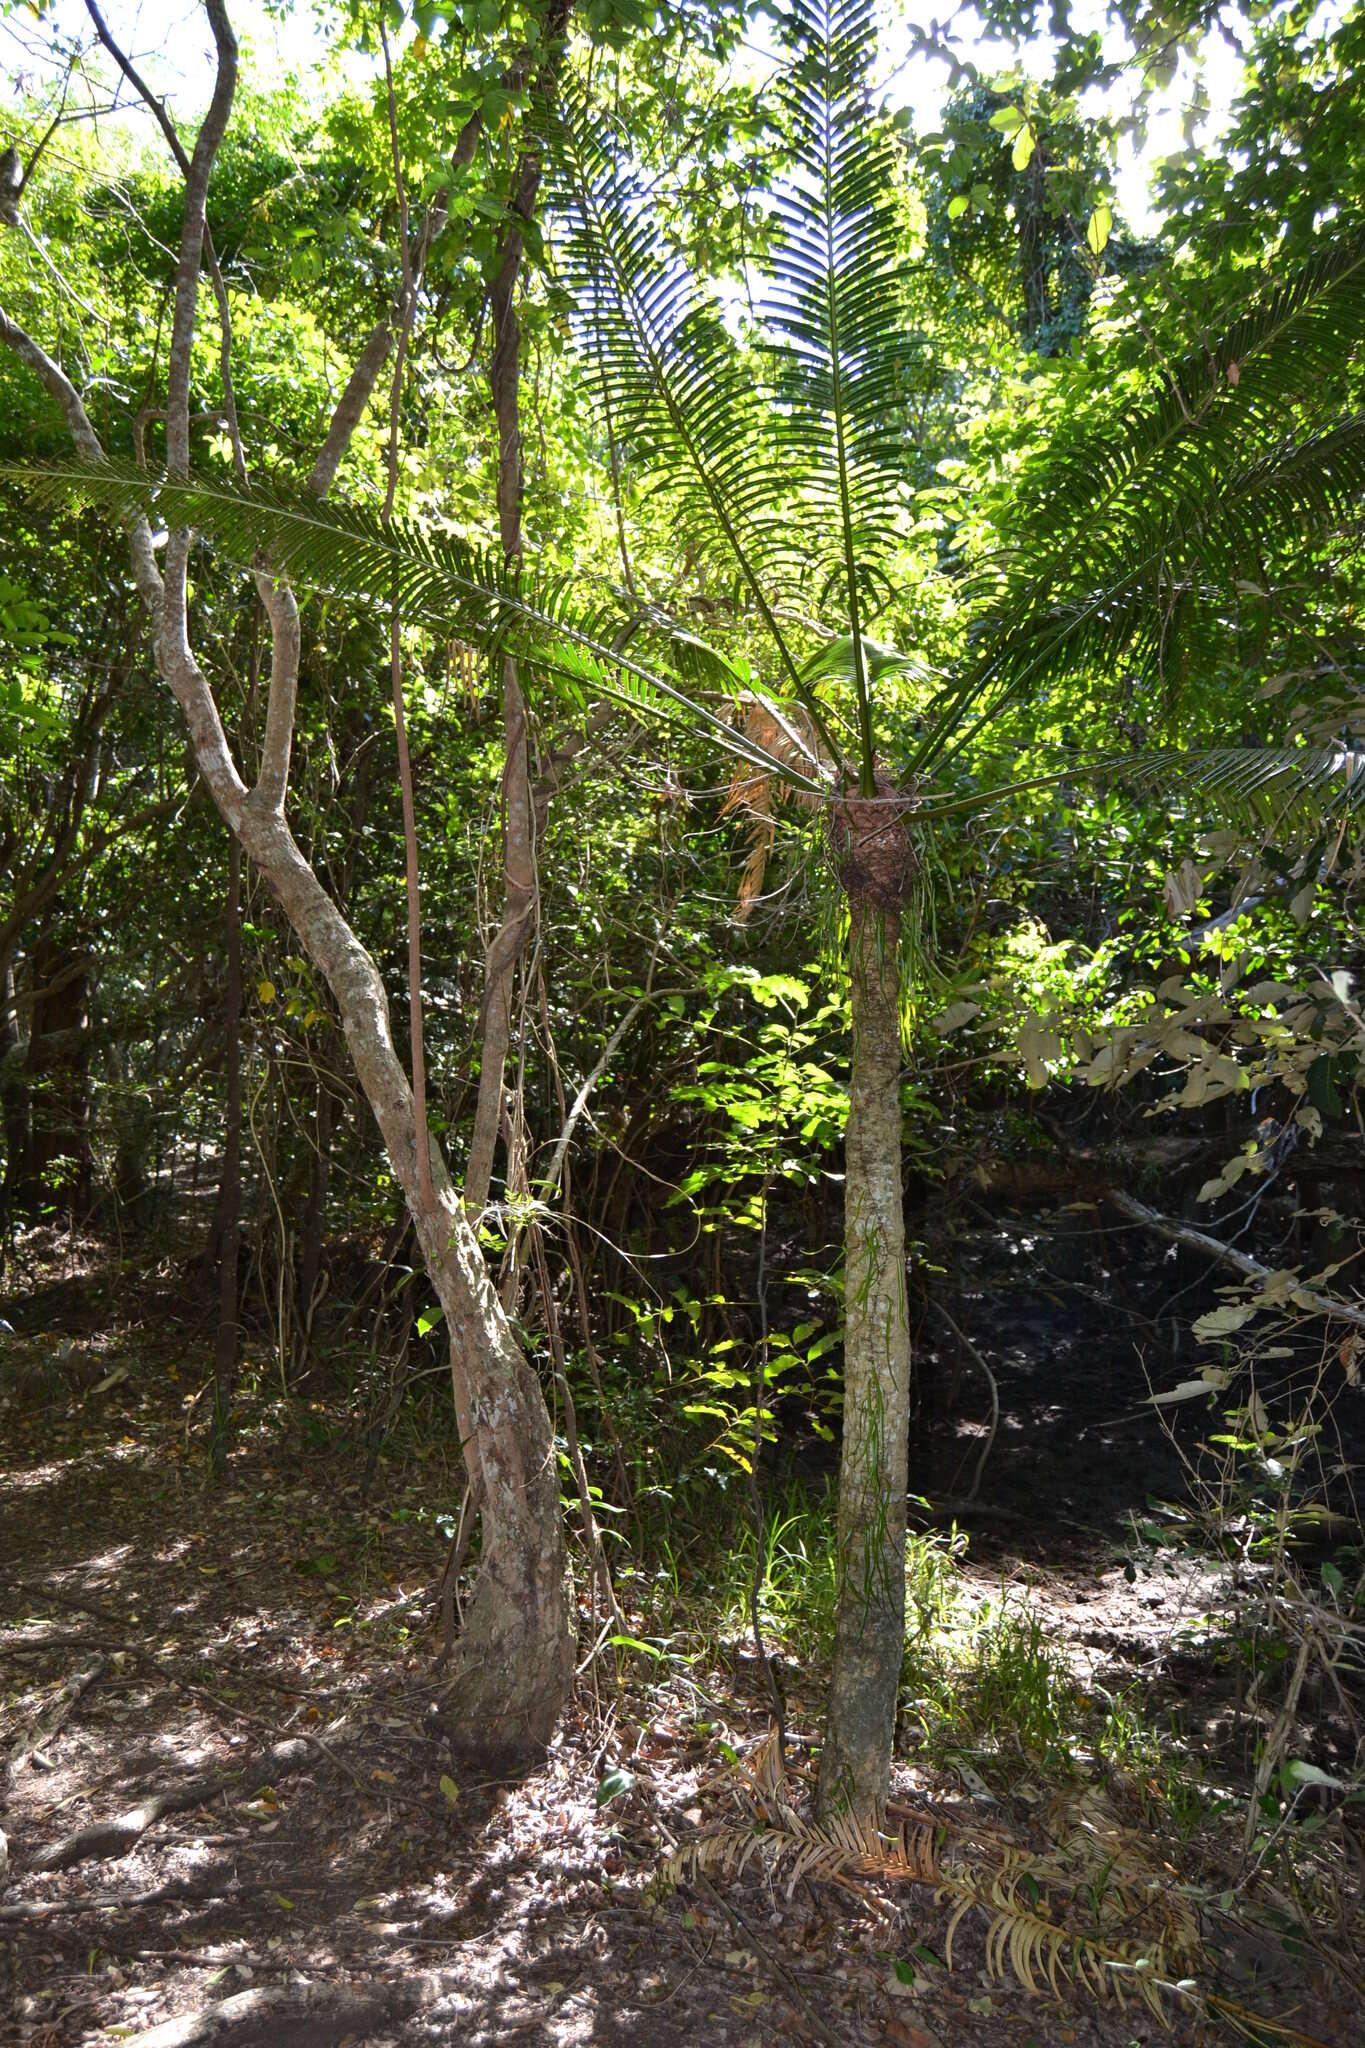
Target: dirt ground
<point>325,1866</point>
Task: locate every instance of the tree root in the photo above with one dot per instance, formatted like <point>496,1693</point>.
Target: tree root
<point>117,1836</point>
<point>178,1890</point>
<point>52,1718</point>
<point>298,2015</point>
<point>305,2014</point>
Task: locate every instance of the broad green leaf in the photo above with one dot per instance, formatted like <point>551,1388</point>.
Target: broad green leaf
<point>955,1016</point>
<point>614,1785</point>
<point>1295,1773</point>
<point>1221,1322</point>
<point>1098,228</point>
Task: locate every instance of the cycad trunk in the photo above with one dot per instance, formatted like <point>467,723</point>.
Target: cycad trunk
<point>855,1762</point>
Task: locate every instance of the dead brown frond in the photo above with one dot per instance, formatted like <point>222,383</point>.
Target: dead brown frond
<point>788,737</point>
<point>1252,2027</point>
<point>1101,1930</point>
<point>1093,1846</point>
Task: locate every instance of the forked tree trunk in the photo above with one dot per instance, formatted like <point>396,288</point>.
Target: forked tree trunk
<point>517,1648</point>
<point>855,1761</point>
<point>518,1642</point>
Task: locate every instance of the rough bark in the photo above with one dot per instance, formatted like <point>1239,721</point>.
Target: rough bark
<point>855,1761</point>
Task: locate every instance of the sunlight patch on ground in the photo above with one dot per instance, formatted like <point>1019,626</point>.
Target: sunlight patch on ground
<point>35,1476</point>
<point>101,1564</point>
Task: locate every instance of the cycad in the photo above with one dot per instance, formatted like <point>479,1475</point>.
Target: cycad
<point>784,453</point>
<point>810,480</point>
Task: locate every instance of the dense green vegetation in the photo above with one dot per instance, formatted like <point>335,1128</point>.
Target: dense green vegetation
<point>655,711</point>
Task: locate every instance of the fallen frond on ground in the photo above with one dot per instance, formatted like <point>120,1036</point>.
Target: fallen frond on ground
<point>1097,1914</point>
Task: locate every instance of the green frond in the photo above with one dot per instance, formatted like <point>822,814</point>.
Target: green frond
<point>1266,790</point>
<point>1290,346</point>
<point>833,308</point>
<point>1273,790</point>
<point>677,384</point>
<point>1129,534</point>
<point>834,301</point>
<point>439,580</point>
<point>789,451</point>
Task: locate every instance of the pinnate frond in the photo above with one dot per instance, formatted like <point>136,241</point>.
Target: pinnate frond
<point>834,307</point>
<point>673,377</point>
<point>1129,534</point>
<point>441,581</point>
<point>788,451</point>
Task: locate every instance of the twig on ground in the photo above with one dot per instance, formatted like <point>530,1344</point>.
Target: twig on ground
<point>178,1889</point>
<point>795,1996</point>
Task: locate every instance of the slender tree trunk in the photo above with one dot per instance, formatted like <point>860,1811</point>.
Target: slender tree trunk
<point>13,1094</point>
<point>518,919</point>
<point>855,1762</point>
<point>1032,221</point>
<point>228,1217</point>
<point>314,1231</point>
<point>521,823</point>
<point>57,1169</point>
